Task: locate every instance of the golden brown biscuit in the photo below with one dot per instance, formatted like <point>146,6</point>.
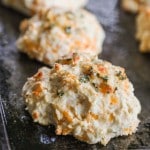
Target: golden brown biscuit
<point>134,5</point>
<point>143,29</point>
<point>85,97</point>
<point>48,36</point>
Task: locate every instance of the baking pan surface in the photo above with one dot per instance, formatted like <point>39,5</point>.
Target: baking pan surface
<point>120,48</point>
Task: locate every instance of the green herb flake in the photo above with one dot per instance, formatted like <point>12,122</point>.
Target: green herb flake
<point>84,79</point>
<point>118,73</point>
<point>60,93</point>
<point>115,89</point>
<point>120,76</point>
<point>95,86</point>
<point>98,75</point>
<point>68,30</point>
<point>105,78</point>
<point>52,25</point>
<point>91,71</point>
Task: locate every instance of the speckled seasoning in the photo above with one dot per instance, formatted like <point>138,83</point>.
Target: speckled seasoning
<point>65,97</point>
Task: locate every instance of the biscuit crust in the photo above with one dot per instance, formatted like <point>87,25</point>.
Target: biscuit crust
<point>143,29</point>
<point>134,5</point>
<point>50,35</point>
<point>85,97</point>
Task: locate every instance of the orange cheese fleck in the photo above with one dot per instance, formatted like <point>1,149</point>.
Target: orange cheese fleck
<point>128,130</point>
<point>57,67</point>
<point>67,116</point>
<point>126,85</point>
<point>66,131</point>
<point>94,115</point>
<point>83,137</point>
<point>35,2</point>
<point>58,130</point>
<point>113,100</point>
<point>24,25</point>
<point>111,117</point>
<point>37,90</point>
<point>105,88</point>
<point>38,75</point>
<point>90,129</point>
<point>91,116</point>
<point>32,46</point>
<point>35,115</point>
<point>102,69</point>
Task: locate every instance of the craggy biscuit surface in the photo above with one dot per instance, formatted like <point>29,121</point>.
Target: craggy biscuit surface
<point>31,7</point>
<point>143,29</point>
<point>85,97</point>
<point>50,35</point>
<point>134,5</point>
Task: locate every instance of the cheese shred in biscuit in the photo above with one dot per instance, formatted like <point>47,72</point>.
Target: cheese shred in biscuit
<point>55,33</point>
<point>85,97</point>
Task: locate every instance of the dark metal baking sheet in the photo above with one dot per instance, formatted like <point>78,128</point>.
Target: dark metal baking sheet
<point>120,48</point>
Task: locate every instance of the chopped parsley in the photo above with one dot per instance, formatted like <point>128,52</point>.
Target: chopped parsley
<point>118,73</point>
<point>84,79</point>
<point>104,78</point>
<point>121,76</point>
<point>60,93</point>
<point>68,29</point>
<point>95,86</point>
<point>98,75</point>
<point>91,71</point>
<point>52,25</point>
<point>115,89</point>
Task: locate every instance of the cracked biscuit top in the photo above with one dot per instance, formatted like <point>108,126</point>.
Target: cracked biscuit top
<point>55,33</point>
<point>134,5</point>
<point>85,97</point>
<point>143,29</point>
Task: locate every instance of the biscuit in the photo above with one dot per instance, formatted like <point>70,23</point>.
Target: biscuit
<point>134,5</point>
<point>50,35</point>
<point>143,29</point>
<point>85,97</point>
<point>31,7</point>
